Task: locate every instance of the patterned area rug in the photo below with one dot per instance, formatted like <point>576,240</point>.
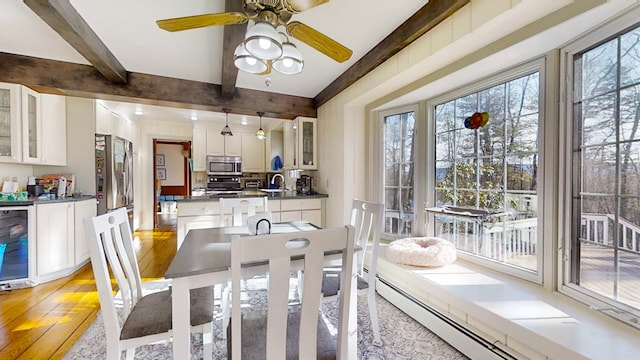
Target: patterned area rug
<point>402,337</point>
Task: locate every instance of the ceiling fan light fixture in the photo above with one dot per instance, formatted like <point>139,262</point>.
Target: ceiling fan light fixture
<point>262,41</point>
<point>291,62</point>
<point>226,130</point>
<point>247,62</point>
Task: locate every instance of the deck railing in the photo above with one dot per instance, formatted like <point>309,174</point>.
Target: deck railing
<point>598,229</point>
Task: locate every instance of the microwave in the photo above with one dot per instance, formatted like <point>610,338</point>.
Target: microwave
<point>224,165</point>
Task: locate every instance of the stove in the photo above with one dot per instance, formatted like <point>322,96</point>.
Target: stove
<point>223,183</point>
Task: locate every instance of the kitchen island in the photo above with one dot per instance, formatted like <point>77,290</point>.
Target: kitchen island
<point>203,211</point>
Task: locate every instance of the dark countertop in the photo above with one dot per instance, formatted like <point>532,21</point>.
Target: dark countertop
<point>35,200</point>
<point>287,195</point>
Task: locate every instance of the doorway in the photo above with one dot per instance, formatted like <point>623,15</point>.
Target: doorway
<point>172,178</point>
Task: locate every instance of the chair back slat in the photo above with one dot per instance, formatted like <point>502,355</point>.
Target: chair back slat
<point>277,250</point>
<point>366,217</point>
<point>111,247</point>
<point>240,209</point>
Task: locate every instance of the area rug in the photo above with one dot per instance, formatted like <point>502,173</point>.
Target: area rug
<point>402,337</point>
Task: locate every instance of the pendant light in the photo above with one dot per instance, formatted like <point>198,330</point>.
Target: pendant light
<point>260,134</point>
<point>226,131</point>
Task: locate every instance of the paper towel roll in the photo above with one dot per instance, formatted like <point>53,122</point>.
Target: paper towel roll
<point>259,222</point>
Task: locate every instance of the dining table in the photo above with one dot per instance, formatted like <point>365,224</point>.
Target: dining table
<point>204,259</point>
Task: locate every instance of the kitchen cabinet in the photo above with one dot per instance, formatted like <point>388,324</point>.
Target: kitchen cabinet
<point>199,149</point>
<point>196,215</point>
<point>82,210</point>
<point>302,209</point>
<point>54,130</point>
<point>10,121</point>
<point>253,153</point>
<point>31,126</point>
<point>55,240</point>
<point>273,147</point>
<point>220,145</point>
<point>301,144</point>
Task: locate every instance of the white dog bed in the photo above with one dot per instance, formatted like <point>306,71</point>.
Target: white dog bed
<point>421,251</point>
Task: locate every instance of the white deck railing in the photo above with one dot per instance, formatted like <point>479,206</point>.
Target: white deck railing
<point>597,228</point>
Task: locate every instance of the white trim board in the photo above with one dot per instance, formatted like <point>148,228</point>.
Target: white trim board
<point>516,316</point>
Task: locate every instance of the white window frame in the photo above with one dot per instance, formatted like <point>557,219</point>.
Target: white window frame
<point>567,53</point>
<point>418,144</point>
<point>496,79</point>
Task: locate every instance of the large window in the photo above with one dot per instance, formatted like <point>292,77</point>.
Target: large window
<point>605,239</point>
<point>398,186</point>
<point>488,174</point>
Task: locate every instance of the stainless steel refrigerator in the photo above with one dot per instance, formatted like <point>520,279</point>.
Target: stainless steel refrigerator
<point>114,174</point>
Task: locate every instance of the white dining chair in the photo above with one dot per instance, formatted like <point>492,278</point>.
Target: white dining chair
<point>146,318</point>
<point>235,211</point>
<point>367,218</point>
<point>298,331</point>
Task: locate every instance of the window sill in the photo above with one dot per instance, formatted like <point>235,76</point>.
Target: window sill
<point>517,315</point>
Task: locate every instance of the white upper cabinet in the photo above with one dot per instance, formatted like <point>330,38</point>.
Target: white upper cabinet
<point>252,153</point>
<point>54,129</point>
<point>301,144</point>
<point>31,127</point>
<point>10,121</point>
<point>220,145</point>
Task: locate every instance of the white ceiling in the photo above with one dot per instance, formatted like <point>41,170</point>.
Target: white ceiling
<point>129,30</point>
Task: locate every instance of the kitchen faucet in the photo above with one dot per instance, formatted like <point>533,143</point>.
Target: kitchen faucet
<point>273,180</point>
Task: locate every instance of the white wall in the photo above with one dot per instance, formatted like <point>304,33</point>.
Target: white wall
<point>479,39</point>
<point>173,166</point>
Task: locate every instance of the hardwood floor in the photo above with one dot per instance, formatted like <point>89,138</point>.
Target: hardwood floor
<point>44,322</point>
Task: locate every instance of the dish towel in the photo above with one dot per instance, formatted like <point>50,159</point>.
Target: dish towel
<point>277,163</point>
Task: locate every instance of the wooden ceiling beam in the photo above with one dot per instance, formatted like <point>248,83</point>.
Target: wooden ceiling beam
<point>62,17</point>
<point>233,35</point>
<point>425,19</point>
<point>63,78</point>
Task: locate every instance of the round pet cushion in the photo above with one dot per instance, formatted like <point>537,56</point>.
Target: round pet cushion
<point>421,251</point>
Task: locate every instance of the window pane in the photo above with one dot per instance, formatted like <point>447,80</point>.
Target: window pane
<point>599,164</point>
<point>398,174</point>
<point>522,133</point>
<point>477,167</point>
<point>598,120</point>
<point>629,113</point>
<point>522,171</point>
<point>630,60</point>
<point>523,96</point>
<point>629,168</point>
<point>597,69</point>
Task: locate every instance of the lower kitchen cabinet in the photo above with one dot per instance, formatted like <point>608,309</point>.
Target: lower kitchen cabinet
<point>54,238</point>
<point>302,209</point>
<point>61,243</point>
<point>196,215</point>
<point>82,210</point>
<point>206,214</point>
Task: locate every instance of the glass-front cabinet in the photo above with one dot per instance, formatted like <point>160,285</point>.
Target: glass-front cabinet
<point>307,143</point>
<point>10,136</point>
<point>31,144</point>
<point>301,144</point>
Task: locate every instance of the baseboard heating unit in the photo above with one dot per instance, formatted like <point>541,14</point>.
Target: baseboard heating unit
<point>458,336</point>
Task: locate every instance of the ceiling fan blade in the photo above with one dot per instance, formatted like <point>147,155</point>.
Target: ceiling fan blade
<point>319,41</point>
<point>198,21</point>
<point>296,6</point>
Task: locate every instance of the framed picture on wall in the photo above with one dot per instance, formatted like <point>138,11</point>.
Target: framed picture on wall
<point>161,174</point>
<point>159,159</point>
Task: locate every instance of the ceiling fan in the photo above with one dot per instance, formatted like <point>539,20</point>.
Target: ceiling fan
<point>277,13</point>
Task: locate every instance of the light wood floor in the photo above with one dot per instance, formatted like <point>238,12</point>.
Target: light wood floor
<point>43,322</point>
